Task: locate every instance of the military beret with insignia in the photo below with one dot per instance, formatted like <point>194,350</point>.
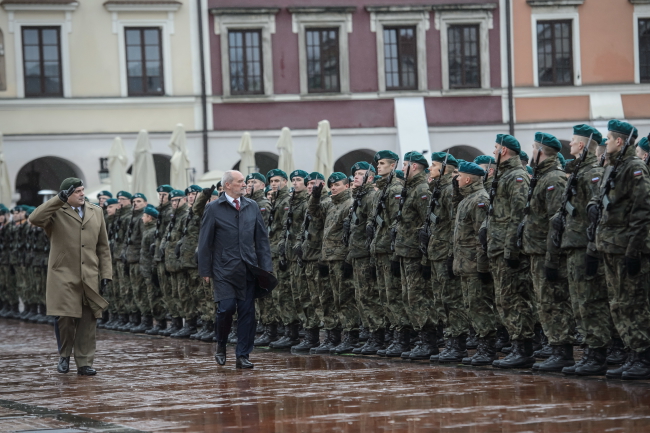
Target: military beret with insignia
<point>298,173</point>
<point>416,157</point>
<point>588,131</point>
<point>176,194</point>
<point>124,194</point>
<point>560,158</point>
<point>150,210</point>
<point>399,174</point>
<point>471,168</point>
<point>164,188</point>
<point>110,201</point>
<point>386,154</point>
<point>484,159</point>
<point>335,177</point>
<point>71,181</point>
<point>603,142</point>
<point>258,176</point>
<point>509,141</point>
<point>622,128</point>
<point>529,169</point>
<point>523,156</point>
<point>276,172</point>
<point>440,157</point>
<point>140,195</point>
<point>548,140</point>
<point>644,144</point>
<point>105,193</point>
<point>193,188</point>
<point>362,165</point>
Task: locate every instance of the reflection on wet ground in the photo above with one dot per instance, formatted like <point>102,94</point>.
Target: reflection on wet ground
<point>161,384</point>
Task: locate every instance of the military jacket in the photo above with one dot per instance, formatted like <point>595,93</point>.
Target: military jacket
<point>40,247</point>
<point>381,243</point>
<point>110,220</point>
<point>199,205</point>
<point>441,225</point>
<point>298,206</point>
<point>359,221</point>
<point>122,231</point>
<point>146,259</point>
<point>5,241</point>
<point>189,241</point>
<point>134,237</point>
<point>29,253</point>
<point>279,208</point>
<point>488,184</point>
<point>172,236</point>
<point>414,212</point>
<point>509,204</point>
<point>311,234</point>
<point>164,217</point>
<point>469,256</point>
<point>18,242</point>
<point>587,180</point>
<point>263,203</point>
<point>333,214</point>
<point>623,227</point>
<point>544,203</point>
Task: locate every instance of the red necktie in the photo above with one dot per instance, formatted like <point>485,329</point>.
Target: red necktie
<point>236,204</point>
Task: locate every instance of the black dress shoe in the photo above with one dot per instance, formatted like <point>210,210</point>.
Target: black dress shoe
<point>86,371</point>
<point>220,356</point>
<point>64,365</point>
<point>243,362</point>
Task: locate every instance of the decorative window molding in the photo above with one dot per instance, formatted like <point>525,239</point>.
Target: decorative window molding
<point>418,16</point>
<point>26,6</point>
<point>641,11</point>
<point>303,18</point>
<point>536,3</point>
<point>134,6</point>
<point>567,12</point>
<point>446,16</point>
<point>246,18</point>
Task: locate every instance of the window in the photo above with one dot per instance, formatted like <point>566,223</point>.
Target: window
<point>144,63</point>
<point>42,61</point>
<point>464,56</point>
<point>322,60</point>
<point>400,58</point>
<point>644,50</point>
<point>245,54</point>
<point>554,53</point>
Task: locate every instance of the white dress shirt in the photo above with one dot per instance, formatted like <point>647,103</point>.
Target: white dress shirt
<point>232,201</point>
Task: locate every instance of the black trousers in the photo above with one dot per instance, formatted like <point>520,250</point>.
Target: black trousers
<point>246,323</point>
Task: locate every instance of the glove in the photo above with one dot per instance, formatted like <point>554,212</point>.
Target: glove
<point>455,185</point>
<point>633,265</point>
<point>591,264</point>
<point>152,250</point>
<point>557,225</point>
<point>64,195</point>
<point>347,270</point>
<point>425,270</point>
<point>485,277</point>
<point>552,274</point>
<point>103,285</point>
<point>283,265</point>
<point>370,232</point>
<point>323,269</point>
<point>593,214</point>
<point>450,267</point>
<point>482,237</point>
<point>372,270</point>
<point>208,191</point>
<point>317,191</point>
<point>282,249</point>
<point>513,263</point>
<point>395,269</point>
<point>346,226</point>
<point>423,236</point>
<point>297,250</point>
<point>177,250</point>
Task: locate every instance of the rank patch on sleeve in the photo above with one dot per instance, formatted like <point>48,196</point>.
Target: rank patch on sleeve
<point>638,173</point>
<point>595,179</point>
<point>551,188</point>
<point>519,179</point>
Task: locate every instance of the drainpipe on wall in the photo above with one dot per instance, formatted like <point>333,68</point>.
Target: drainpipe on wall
<point>511,101</point>
<point>204,98</point>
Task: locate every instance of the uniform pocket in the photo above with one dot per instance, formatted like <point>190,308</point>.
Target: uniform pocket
<point>58,260</point>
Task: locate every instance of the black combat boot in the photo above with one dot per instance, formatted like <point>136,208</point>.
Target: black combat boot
<point>259,328</point>
<point>539,338</point>
<point>200,331</point>
<point>146,323</point>
<point>269,335</point>
<point>616,354</point>
<point>562,357</point>
<point>394,336</point>
<point>579,339</point>
<point>232,337</point>
<point>503,339</point>
<point>176,325</point>
<point>112,318</point>
<point>486,353</point>
<point>35,314</point>
<point>43,312</point>
<point>122,319</point>
<point>472,339</point>
<point>310,341</point>
<point>545,352</point>
<point>350,341</point>
<point>594,365</point>
<point>364,334</point>
<point>322,346</point>
<point>375,343</point>
<point>640,370</point>
<point>3,309</point>
<point>103,321</point>
<point>160,325</point>
<point>401,344</point>
<point>428,346</point>
<point>617,373</point>
<point>128,325</point>
<point>521,355</point>
<point>333,340</point>
<point>188,329</point>
<point>440,335</point>
<point>291,338</point>
<point>455,351</point>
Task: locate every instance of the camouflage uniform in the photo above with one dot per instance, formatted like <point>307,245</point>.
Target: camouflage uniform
<point>178,295</point>
<point>265,207</point>
<point>512,286</point>
<point>164,282</point>
<point>39,265</point>
<point>132,253</point>
<point>407,248</point>
<point>367,291</point>
<point>470,259</point>
<point>110,292</point>
<point>147,270</point>
<point>127,300</point>
<point>449,306</point>
<point>622,232</point>
<point>194,294</point>
<point>7,293</point>
<point>553,298</point>
<point>206,294</point>
<point>272,309</point>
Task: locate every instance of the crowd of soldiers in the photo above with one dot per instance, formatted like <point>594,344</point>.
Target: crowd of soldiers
<point>520,262</point>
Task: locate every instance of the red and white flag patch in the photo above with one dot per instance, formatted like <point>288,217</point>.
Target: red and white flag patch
<point>638,173</point>
<point>481,205</point>
<point>551,188</point>
<point>424,197</point>
<point>595,179</point>
<point>519,179</point>
<point>398,196</point>
<point>286,208</point>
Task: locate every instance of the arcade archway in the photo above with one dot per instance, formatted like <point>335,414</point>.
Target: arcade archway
<point>43,173</point>
<point>345,162</point>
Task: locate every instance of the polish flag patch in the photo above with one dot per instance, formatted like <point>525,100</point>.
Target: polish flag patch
<point>398,196</point>
<point>520,179</point>
<point>595,179</point>
<point>424,197</point>
<point>286,208</point>
<point>638,173</point>
<point>481,205</point>
<point>551,188</point>
<point>262,209</point>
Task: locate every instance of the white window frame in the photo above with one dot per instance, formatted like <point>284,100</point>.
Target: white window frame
<point>641,11</point>
<point>391,18</point>
<point>554,14</point>
<point>300,22</point>
<point>484,19</point>
<point>265,22</point>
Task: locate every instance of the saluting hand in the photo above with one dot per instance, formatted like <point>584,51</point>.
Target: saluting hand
<point>65,194</point>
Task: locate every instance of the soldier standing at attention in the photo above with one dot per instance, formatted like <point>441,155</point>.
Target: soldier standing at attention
<point>110,291</point>
<point>132,252</point>
<point>121,265</point>
<point>489,164</point>
<point>164,216</point>
<point>148,270</point>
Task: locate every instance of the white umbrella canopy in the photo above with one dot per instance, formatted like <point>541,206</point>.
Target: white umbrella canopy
<point>285,148</point>
<point>117,165</point>
<point>210,178</point>
<point>5,182</point>
<point>180,161</point>
<point>324,160</point>
<point>143,172</point>
<point>245,150</point>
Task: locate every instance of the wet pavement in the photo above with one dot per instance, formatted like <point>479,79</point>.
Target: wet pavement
<point>161,384</point>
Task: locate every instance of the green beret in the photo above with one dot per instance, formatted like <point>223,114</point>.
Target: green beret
<point>18,208</point>
<point>416,157</point>
<point>335,177</point>
<point>399,174</point>
<point>644,144</point>
<point>362,165</point>
<point>276,172</point>
<point>603,142</point>
<point>110,201</point>
<point>125,194</point>
<point>509,141</point>
<point>192,188</point>
<point>314,175</point>
<point>29,209</point>
<point>164,188</point>
<point>176,194</point>
<point>622,128</point>
<point>484,159</point>
<point>150,210</point>
<point>386,154</point>
<point>548,140</point>
<point>3,209</point>
<point>140,195</point>
<point>216,192</point>
<point>299,173</point>
<point>440,157</point>
<point>523,156</point>
<point>257,176</point>
<point>105,193</point>
<point>266,190</point>
<point>588,131</point>
<point>529,169</point>
<point>560,157</point>
<point>71,181</point>
<point>471,168</point>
